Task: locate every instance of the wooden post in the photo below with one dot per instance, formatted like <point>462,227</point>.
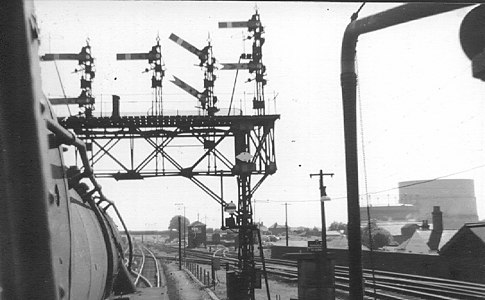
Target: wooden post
<point>180,244</point>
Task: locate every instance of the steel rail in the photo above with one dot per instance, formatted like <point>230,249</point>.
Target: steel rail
<point>143,278</point>
<point>388,282</point>
<point>437,288</point>
<point>157,268</point>
<point>142,265</point>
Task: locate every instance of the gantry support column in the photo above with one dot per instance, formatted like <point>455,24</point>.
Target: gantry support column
<point>242,169</point>
<point>246,238</point>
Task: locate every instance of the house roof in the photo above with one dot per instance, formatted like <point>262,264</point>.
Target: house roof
<point>275,225</point>
<point>410,225</point>
<point>477,229</point>
<point>418,243</point>
<point>197,223</point>
<point>446,236</point>
<point>394,228</point>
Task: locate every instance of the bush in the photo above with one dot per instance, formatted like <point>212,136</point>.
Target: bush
<point>380,237</point>
<point>338,226</point>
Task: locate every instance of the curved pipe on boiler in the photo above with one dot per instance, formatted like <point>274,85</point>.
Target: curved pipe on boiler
<point>66,137</point>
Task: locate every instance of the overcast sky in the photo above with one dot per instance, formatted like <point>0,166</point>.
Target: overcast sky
<point>422,112</point>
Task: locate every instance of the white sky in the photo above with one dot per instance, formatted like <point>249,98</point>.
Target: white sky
<point>423,113</point>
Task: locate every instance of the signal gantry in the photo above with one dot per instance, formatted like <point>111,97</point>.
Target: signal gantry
<point>207,98</point>
<point>154,57</point>
<point>252,154</point>
<point>247,273</point>
<point>85,60</point>
<point>255,59</point>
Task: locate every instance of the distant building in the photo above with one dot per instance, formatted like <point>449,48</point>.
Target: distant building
<point>277,229</point>
<point>263,229</point>
<point>425,241</point>
<point>455,197</point>
<point>465,253</point>
<point>390,213</point>
<point>148,236</point>
<point>197,234</point>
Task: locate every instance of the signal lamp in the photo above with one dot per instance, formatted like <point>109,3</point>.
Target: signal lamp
<point>230,208</point>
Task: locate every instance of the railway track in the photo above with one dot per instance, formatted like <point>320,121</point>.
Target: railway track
<point>147,271</point>
<point>387,285</point>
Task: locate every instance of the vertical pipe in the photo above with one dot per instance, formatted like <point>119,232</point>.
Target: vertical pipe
<point>375,22</point>
<point>349,81</point>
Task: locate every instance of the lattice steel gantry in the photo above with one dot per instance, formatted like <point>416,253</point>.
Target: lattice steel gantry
<point>251,134</point>
<point>253,141</point>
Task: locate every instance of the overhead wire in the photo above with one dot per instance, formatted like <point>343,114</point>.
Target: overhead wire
<point>59,77</point>
<point>355,15</point>
<point>62,87</point>
<point>234,88</point>
<point>430,180</point>
<point>378,192</point>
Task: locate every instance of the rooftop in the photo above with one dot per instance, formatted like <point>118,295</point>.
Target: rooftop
<point>477,230</point>
<point>418,243</point>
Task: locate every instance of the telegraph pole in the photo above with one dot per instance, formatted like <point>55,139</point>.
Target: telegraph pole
<point>323,198</point>
<point>185,242</point>
<point>180,244</point>
<point>183,226</point>
<point>325,266</point>
<point>286,222</point>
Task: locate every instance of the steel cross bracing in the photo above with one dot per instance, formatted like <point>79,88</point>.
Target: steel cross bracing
<point>253,135</point>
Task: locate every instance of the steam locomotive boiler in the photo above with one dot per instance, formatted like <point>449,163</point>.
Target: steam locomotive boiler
<point>57,240</point>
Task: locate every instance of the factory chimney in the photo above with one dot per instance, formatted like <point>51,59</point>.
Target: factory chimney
<point>437,219</point>
<point>435,237</point>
